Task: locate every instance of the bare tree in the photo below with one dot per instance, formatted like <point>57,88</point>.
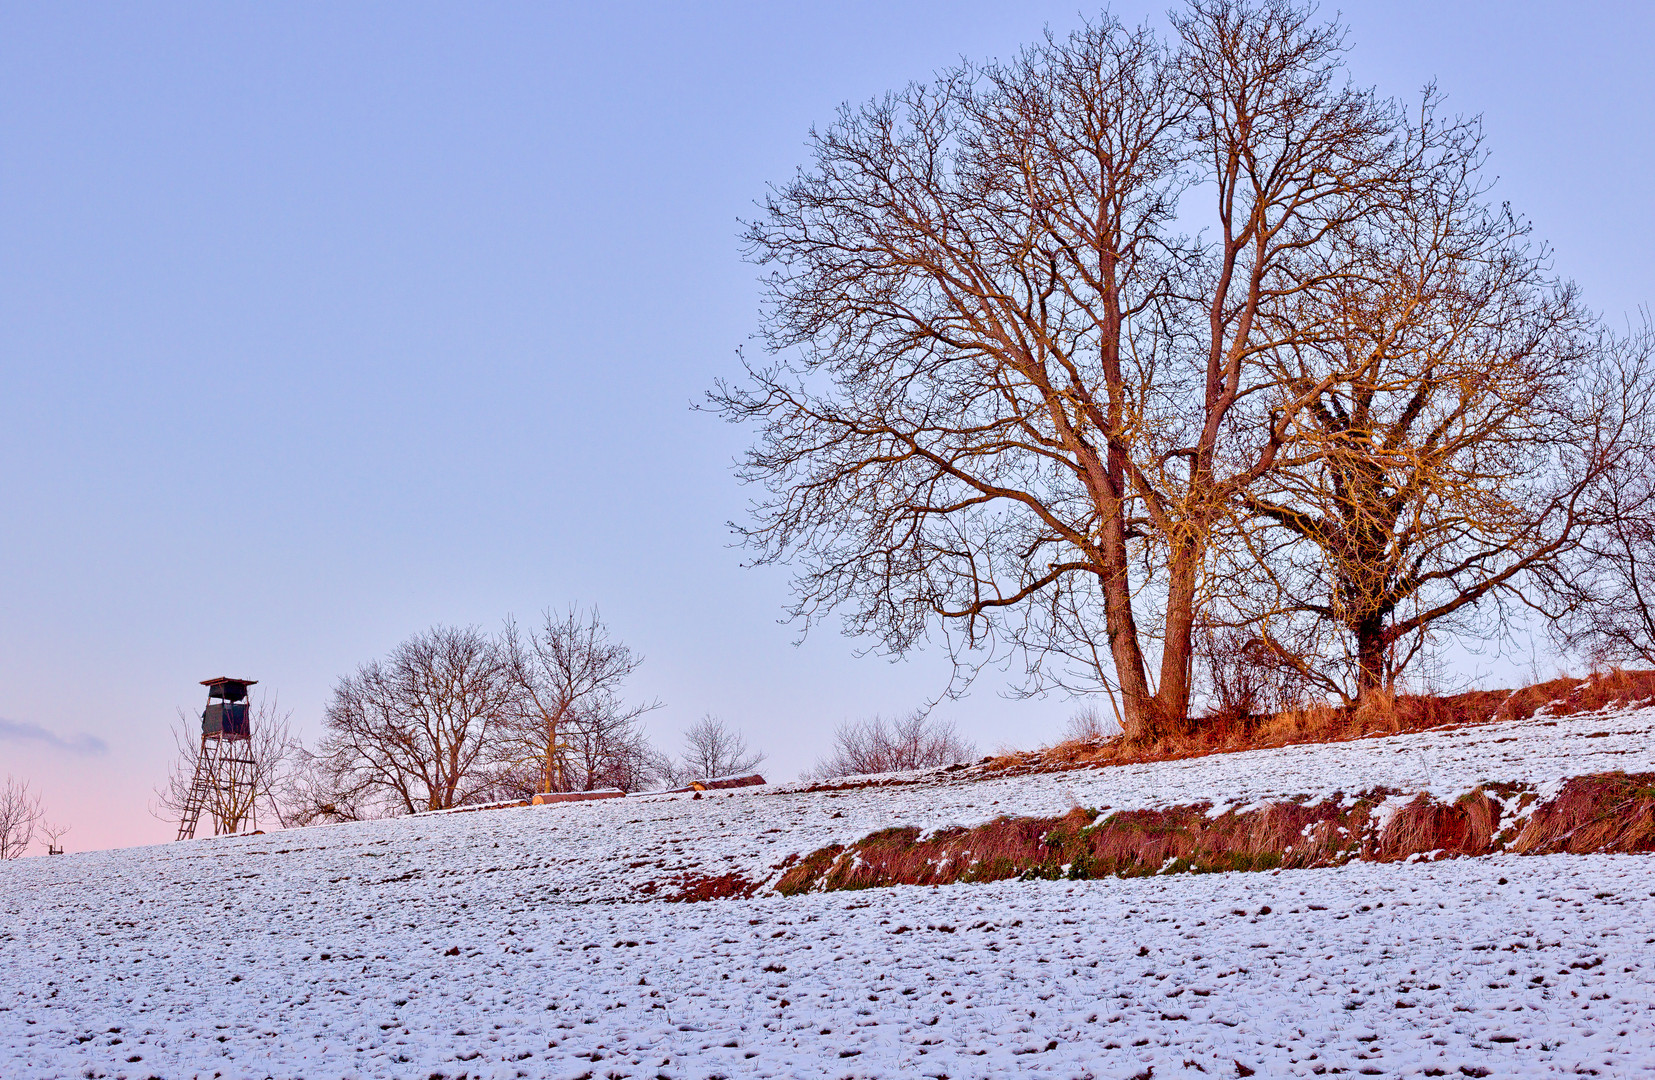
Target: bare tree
<point>1602,595</point>
<point>1011,398</point>
<point>1611,616</point>
<point>609,750</point>
<point>273,753</point>
<point>324,787</point>
<point>572,731</point>
<point>881,746</point>
<point>1088,724</point>
<point>1247,677</point>
<point>20,812</point>
<point>54,837</point>
<point>1453,431</point>
<point>711,749</point>
<point>419,730</point>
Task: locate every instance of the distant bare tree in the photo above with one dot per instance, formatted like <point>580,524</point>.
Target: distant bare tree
<point>881,746</point>
<point>328,788</point>
<point>419,730</point>
<point>1247,676</point>
<point>610,750</point>
<point>711,749</point>
<point>20,812</point>
<point>271,747</point>
<point>571,731</point>
<point>54,837</point>
<point>1615,622</point>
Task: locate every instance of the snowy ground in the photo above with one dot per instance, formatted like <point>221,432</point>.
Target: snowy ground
<point>1376,970</point>
<point>498,944</point>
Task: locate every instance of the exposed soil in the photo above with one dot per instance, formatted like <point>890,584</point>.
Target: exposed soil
<point>688,887</point>
<point>1606,812</point>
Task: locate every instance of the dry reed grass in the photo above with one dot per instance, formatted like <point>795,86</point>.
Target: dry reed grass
<point>1380,714</point>
<point>1607,812</point>
<point>1468,826</point>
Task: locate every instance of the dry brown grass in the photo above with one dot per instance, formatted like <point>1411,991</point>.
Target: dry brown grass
<point>1602,813</point>
<point>1610,812</point>
<point>1380,714</point>
<point>1614,687</point>
<point>1073,751</point>
<point>1468,826</point>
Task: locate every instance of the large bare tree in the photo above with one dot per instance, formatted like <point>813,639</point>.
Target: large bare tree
<point>1011,397</point>
<point>572,731</point>
<point>1457,427</point>
<point>419,730</point>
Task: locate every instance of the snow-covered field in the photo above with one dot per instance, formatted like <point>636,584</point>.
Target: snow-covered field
<point>1378,970</point>
<point>500,943</point>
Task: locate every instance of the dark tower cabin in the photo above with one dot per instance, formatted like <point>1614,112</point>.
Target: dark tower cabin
<point>226,713</point>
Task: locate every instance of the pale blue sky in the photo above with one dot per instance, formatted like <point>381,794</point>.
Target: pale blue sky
<point>322,323</point>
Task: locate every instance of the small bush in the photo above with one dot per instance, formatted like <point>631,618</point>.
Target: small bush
<point>878,745</point>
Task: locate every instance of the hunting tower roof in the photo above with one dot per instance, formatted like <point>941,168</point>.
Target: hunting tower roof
<point>226,688</point>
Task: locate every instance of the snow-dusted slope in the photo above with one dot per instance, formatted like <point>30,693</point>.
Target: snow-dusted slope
<point>326,952</point>
<point>1522,967</point>
<point>611,849</point>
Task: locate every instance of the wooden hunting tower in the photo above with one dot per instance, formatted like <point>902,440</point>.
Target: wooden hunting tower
<point>225,781</point>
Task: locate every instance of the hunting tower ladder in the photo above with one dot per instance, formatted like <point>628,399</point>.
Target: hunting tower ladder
<point>225,773</point>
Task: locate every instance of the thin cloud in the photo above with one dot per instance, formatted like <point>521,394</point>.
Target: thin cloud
<point>82,744</point>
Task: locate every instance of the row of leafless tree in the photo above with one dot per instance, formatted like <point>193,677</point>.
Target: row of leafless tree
<point>1164,363</point>
<point>457,716</point>
<point>454,716</point>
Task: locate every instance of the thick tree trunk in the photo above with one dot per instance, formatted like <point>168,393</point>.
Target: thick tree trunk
<point>1172,699</point>
<point>1370,656</point>
<point>1139,708</point>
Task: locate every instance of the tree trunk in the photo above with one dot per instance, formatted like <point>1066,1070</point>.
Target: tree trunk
<point>1138,706</point>
<point>1370,655</point>
<point>551,755</point>
<point>1171,706</point>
